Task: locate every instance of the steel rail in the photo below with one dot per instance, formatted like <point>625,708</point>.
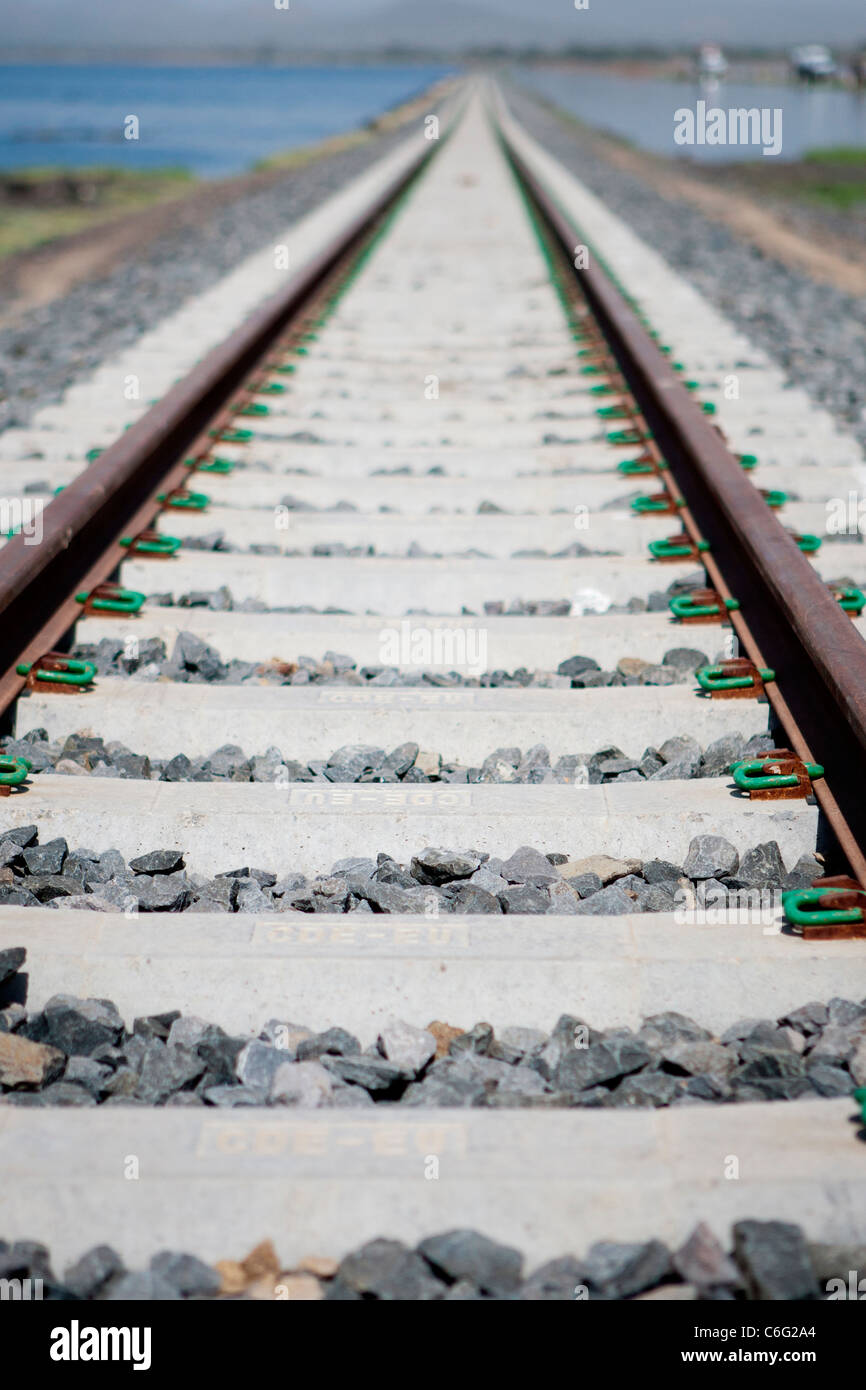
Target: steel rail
<point>786,612</point>
<point>116,495</point>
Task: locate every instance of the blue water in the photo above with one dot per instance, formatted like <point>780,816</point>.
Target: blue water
<point>642,111</point>
<point>213,121</point>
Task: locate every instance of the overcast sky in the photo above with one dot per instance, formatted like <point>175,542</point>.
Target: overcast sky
<point>139,23</point>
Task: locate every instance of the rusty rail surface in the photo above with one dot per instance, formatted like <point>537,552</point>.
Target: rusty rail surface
<point>787,615</point>
<point>116,495</point>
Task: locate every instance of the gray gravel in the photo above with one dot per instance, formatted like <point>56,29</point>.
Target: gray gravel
<point>679,757</point>
<point>78,1052</point>
<point>223,601</point>
<point>813,331</point>
<point>216,541</point>
<point>195,662</point>
<point>765,1260</point>
<point>52,346</point>
<point>436,880</point>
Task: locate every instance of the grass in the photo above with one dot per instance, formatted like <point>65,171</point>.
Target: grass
<point>837,154</point>
<point>305,154</point>
<point>839,196</point>
<point>38,206</point>
<point>841,184</point>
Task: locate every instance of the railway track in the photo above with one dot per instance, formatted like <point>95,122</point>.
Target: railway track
<point>422,546</point>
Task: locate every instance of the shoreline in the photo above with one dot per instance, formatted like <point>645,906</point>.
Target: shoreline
<point>55,256</point>
<point>781,211</point>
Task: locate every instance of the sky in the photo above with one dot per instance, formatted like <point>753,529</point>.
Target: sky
<point>372,23</point>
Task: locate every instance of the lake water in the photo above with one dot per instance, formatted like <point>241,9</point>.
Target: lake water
<point>213,121</point>
<point>642,111</point>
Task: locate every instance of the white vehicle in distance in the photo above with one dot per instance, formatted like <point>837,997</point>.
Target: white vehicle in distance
<point>813,62</point>
<point>711,61</point>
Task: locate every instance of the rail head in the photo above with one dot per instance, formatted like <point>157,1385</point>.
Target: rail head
<point>82,526</point>
<point>818,655</point>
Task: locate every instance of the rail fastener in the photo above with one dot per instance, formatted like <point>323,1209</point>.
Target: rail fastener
<point>774,497</point>
<point>680,547</point>
<point>111,601</point>
<point>657,504</point>
<point>268,388</point>
<point>215,465</point>
<point>849,599</point>
<point>736,678</point>
<point>181,499</point>
<point>629,436</point>
<point>13,773</point>
<point>644,463</point>
<point>152,545</point>
<point>775,775</point>
<point>832,909</point>
<point>702,606</point>
<point>57,674</point>
<point>225,435</point>
<point>805,541</point>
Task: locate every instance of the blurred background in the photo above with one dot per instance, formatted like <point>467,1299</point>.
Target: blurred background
<point>220,90</point>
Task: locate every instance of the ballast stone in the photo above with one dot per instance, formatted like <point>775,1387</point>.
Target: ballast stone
<point>710,856</point>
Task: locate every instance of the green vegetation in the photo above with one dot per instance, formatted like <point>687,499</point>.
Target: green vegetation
<point>305,154</point>
<point>839,196</point>
<point>838,154</point>
<point>836,177</point>
<point>39,205</point>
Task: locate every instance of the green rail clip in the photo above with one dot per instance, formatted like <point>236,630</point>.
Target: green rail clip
<point>749,775</point>
<point>675,549</point>
<point>13,771</point>
<point>184,501</point>
<point>686,607</point>
<point>116,601</point>
<point>630,436</point>
<point>216,465</point>
<point>748,461</point>
<point>806,542</point>
<point>802,908</point>
<point>74,673</point>
<point>712,678</point>
<point>156,545</point>
<point>645,504</point>
<point>774,497</point>
<point>253,408</point>
<point>614,412</point>
<point>227,436</point>
<point>632,467</point>
<point>851,599</point>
